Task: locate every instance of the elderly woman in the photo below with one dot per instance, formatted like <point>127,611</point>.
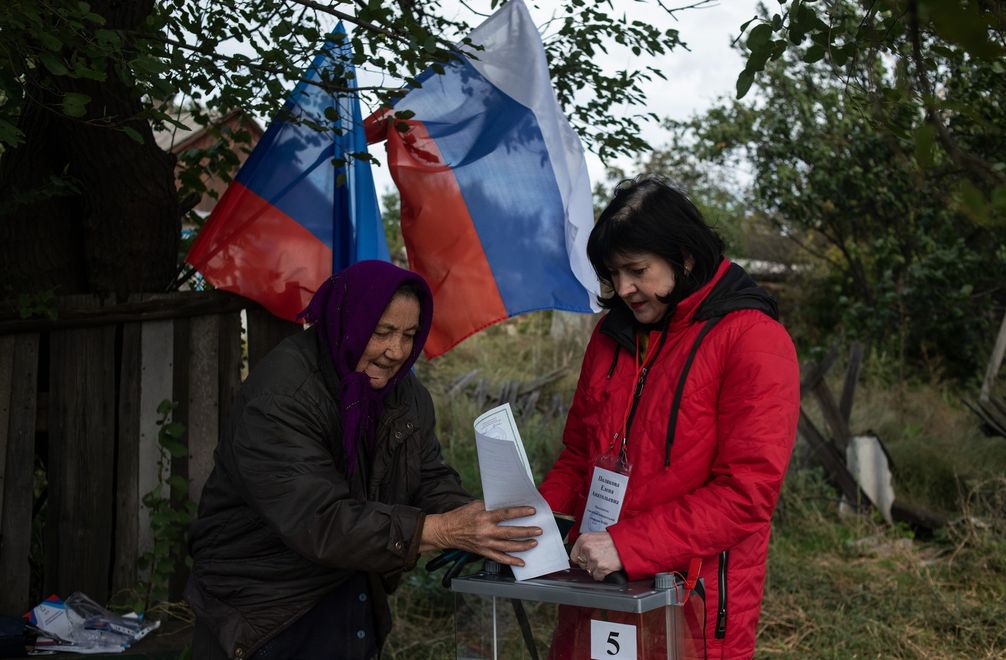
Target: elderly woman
<point>330,483</point>
<point>688,399</point>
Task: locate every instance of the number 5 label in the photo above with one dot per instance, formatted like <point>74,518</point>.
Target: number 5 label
<point>612,641</point>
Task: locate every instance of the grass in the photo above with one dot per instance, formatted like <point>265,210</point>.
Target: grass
<point>516,350</point>
<point>853,587</point>
<point>838,586</point>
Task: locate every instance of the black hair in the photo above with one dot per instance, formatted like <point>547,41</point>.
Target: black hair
<point>411,289</point>
<point>647,214</point>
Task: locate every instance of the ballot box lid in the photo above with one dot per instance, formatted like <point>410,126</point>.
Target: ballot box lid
<point>574,587</point>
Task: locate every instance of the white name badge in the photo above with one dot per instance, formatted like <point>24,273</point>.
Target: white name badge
<point>612,641</point>
<point>604,503</point>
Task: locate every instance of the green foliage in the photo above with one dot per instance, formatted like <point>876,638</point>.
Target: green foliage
<point>843,587</point>
<point>391,217</point>
<point>122,66</point>
<point>908,256</point>
<point>218,57</point>
<point>37,305</point>
<point>61,185</point>
<point>49,43</point>
<point>715,189</point>
<point>575,52</point>
<point>170,511</point>
<point>837,586</point>
<point>928,45</point>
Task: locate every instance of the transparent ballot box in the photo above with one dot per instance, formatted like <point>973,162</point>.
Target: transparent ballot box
<point>571,614</point>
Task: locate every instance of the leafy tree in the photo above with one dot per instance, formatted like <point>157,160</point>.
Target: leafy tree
<point>391,218</point>
<point>716,189</point>
<point>928,45</point>
<point>90,203</point>
<point>909,259</point>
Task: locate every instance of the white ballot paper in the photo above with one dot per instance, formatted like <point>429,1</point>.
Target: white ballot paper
<point>507,481</point>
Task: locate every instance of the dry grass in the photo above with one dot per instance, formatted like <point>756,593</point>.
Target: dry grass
<point>937,448</point>
<point>838,587</point>
<point>853,587</point>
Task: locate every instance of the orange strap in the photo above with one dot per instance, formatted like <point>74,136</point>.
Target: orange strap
<point>694,568</point>
<point>635,379</point>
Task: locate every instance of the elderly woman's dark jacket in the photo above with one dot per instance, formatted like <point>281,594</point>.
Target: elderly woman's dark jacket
<point>280,523</point>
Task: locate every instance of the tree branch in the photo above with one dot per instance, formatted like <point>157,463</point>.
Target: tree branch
<point>349,18</point>
<point>370,27</point>
<point>964,159</point>
<point>699,4</point>
<point>809,250</point>
<point>265,68</point>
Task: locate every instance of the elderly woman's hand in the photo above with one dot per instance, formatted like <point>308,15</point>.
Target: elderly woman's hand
<point>472,528</point>
<point>596,553</point>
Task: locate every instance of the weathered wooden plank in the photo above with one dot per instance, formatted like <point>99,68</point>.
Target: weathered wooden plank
<point>146,308</point>
<point>530,401</point>
<point>127,490</point>
<point>6,380</point>
<point>501,398</point>
<point>815,372</point>
<point>18,389</point>
<point>992,413</point>
<point>146,358</point>
<point>851,378</point>
<point>922,521</point>
<point>833,418</point>
<point>827,456</point>
<point>81,465</point>
<point>203,399</point>
<point>459,384</point>
<point>230,365</point>
<point>480,394</point>
<point>181,389</point>
<point>264,332</point>
<point>157,340</point>
<point>542,381</point>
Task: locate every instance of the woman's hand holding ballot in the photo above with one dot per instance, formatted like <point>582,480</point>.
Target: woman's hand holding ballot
<point>595,553</point>
<point>471,527</point>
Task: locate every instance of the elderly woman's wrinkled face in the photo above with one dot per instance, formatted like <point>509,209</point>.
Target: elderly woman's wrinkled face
<point>391,344</point>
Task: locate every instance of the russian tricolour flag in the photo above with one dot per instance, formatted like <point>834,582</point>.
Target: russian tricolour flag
<point>290,218</point>
<point>496,201</point>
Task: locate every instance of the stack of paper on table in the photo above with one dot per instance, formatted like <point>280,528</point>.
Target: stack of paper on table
<point>507,481</point>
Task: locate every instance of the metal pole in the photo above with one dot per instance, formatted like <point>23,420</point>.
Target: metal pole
<point>495,651</point>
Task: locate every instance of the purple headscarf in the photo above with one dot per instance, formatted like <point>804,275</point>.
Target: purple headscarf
<point>346,309</point>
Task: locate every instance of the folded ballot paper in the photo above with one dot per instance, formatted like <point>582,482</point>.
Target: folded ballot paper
<point>507,481</point>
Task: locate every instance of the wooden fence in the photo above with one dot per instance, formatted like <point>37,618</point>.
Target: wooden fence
<point>79,435</point>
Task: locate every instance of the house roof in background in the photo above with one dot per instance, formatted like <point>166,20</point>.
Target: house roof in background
<point>173,139</point>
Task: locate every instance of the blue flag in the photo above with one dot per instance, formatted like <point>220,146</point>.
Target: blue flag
<point>291,217</point>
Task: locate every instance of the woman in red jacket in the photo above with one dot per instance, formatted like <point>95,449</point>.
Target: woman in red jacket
<point>686,408</point>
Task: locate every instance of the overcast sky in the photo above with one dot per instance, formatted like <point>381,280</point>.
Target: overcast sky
<point>695,77</point>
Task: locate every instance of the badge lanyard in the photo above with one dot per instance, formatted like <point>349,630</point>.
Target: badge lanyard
<point>623,452</point>
<point>610,479</point>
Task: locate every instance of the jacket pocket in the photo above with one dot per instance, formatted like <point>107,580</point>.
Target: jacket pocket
<point>400,473</point>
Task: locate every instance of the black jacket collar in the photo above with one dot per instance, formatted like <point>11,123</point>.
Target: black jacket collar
<point>735,291</point>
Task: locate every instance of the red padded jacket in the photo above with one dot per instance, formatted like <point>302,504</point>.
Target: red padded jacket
<point>709,490</point>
